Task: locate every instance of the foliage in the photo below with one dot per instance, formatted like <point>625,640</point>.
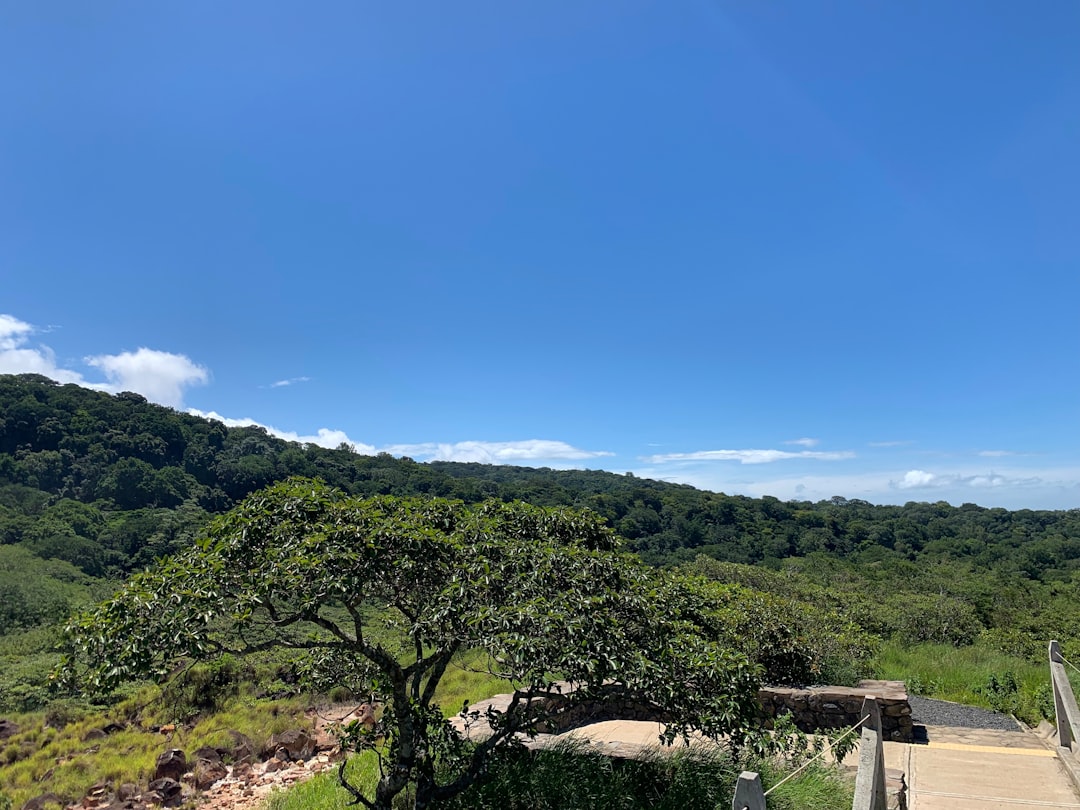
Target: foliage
<point>544,592</point>
<point>793,640</point>
<point>204,688</point>
<point>567,778</point>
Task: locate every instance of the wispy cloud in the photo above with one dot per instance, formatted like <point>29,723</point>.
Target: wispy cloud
<point>323,437</point>
<point>996,453</point>
<point>530,450</point>
<point>17,357</point>
<point>1050,487</point>
<point>921,479</point>
<point>749,456</point>
<point>496,452</point>
<point>888,444</point>
<point>161,377</point>
<point>290,381</point>
<point>805,442</point>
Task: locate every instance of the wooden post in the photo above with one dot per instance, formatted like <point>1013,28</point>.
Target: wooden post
<point>870,792</point>
<point>748,793</point>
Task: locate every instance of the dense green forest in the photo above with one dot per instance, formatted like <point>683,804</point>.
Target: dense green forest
<point>94,487</point>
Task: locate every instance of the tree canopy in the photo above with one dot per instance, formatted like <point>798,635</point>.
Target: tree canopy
<point>389,590</point>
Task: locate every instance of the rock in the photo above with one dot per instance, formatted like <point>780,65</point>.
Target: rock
<point>94,734</point>
<point>207,772</point>
<point>207,753</point>
<point>42,801</point>
<point>172,765</point>
<point>8,728</point>
<point>243,748</point>
<point>166,792</point>
<point>243,771</point>
<point>126,791</point>
<point>273,765</point>
<point>296,742</point>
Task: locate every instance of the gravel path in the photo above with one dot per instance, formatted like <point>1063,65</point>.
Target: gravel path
<point>943,713</point>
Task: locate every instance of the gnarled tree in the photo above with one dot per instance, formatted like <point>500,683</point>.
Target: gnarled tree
<point>545,592</point>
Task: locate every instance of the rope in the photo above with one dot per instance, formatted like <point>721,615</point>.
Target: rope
<point>819,755</point>
<point>1067,661</point>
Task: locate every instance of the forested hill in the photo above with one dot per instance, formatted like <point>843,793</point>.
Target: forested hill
<point>108,483</point>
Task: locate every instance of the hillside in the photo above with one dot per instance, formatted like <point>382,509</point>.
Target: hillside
<point>959,601</point>
<point>94,487</point>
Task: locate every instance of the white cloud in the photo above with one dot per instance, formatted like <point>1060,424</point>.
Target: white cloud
<point>916,479</point>
<point>920,479</point>
<point>161,377</point>
<point>996,453</point>
<point>290,381</point>
<point>323,437</point>
<point>496,452</point>
<point>1056,487</point>
<point>805,442</point>
<point>888,444</point>
<point>468,451</point>
<point>13,332</point>
<point>749,456</point>
<point>16,357</point>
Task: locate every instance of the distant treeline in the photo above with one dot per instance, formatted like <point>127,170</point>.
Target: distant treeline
<point>109,483</point>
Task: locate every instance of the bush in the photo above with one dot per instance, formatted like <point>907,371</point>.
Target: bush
<point>62,713</point>
<point>794,642</point>
<point>202,688</point>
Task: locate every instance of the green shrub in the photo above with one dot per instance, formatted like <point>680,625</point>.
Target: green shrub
<point>202,688</point>
<point>62,713</point>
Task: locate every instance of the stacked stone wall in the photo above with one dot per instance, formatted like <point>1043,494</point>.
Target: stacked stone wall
<point>835,707</point>
<point>815,708</point>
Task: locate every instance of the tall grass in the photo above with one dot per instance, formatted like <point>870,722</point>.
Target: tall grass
<point>468,680</point>
<point>977,675</point>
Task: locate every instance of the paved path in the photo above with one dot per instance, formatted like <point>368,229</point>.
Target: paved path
<point>957,769</point>
<point>974,769</point>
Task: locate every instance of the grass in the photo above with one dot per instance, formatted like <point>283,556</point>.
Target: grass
<point>566,779</point>
<point>42,759</point>
<point>323,792</point>
<point>976,675</point>
<point>468,680</point>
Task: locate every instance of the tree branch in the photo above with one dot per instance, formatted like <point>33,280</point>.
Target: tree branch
<point>358,797</point>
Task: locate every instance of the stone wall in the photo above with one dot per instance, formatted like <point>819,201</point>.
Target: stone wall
<point>814,709</point>
<point>837,707</point>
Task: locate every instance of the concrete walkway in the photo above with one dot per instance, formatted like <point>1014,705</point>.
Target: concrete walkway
<point>957,769</point>
<point>974,769</point>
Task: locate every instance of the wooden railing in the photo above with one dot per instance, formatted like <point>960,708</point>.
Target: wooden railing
<point>1066,712</point>
<point>870,789</point>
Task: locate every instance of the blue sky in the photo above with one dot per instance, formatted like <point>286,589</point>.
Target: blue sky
<point>796,249</point>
